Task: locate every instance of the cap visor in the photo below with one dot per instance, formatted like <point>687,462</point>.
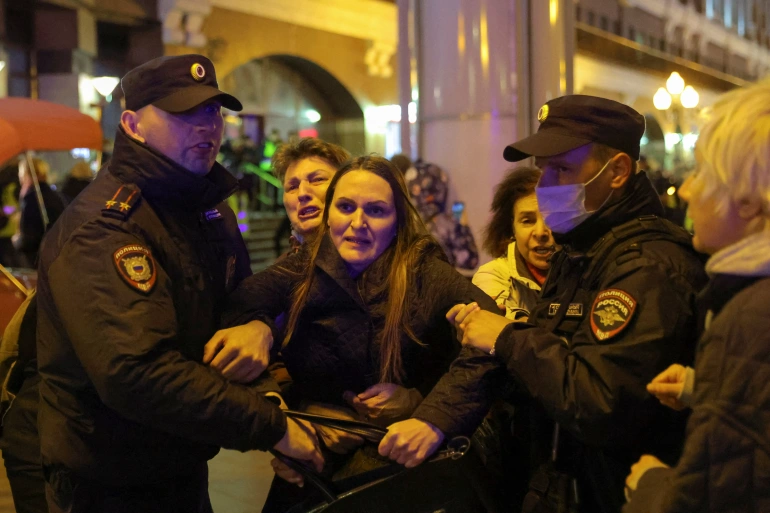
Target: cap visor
<point>542,144</point>
<point>192,96</point>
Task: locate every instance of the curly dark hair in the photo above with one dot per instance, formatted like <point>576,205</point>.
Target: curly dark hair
<point>290,153</point>
<point>519,183</point>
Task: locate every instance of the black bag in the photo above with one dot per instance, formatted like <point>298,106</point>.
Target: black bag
<point>551,490</point>
<point>454,480</point>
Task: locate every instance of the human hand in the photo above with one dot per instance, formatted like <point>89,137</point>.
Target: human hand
<point>301,443</point>
<point>384,402</point>
<point>411,441</point>
<point>668,385</point>
<point>335,440</point>
<point>479,328</point>
<point>638,469</point>
<point>287,473</point>
<point>242,353</point>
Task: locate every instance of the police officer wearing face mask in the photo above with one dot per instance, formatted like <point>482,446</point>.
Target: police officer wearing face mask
<point>616,309</point>
<point>132,280</point>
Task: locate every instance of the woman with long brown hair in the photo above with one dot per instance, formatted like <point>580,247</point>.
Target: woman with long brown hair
<point>367,334</point>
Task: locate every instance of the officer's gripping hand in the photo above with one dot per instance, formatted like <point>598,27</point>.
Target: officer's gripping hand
<point>476,327</point>
<point>638,469</point>
<point>668,386</point>
<point>384,403</point>
<point>242,353</point>
<point>411,441</point>
<point>301,443</point>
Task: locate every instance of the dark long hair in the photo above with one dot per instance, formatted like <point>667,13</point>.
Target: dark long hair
<point>410,245</point>
<point>519,183</point>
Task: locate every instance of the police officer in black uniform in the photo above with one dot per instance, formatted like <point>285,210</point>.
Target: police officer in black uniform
<point>616,309</point>
<point>132,280</point>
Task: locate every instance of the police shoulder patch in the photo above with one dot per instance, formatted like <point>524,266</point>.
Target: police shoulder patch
<point>136,266</point>
<point>611,313</point>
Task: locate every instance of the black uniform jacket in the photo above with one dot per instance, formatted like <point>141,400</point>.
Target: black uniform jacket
<point>725,466</point>
<point>335,345</point>
<point>590,371</point>
<point>132,281</point>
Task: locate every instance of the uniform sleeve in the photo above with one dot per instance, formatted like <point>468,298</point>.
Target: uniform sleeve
<point>596,389</point>
<point>126,340</point>
<point>464,394</point>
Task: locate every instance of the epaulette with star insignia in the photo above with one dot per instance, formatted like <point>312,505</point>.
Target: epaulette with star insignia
<point>119,206</point>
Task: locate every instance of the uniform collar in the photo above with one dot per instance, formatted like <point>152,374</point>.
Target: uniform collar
<point>163,181</point>
<point>638,200</point>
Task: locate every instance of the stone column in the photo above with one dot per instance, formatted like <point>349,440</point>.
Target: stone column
<point>485,68</point>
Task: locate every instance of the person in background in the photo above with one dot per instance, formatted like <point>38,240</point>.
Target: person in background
<point>78,179</point>
<point>366,333</point>
<point>9,213</point>
<point>305,168</point>
<point>520,242</point>
<point>428,187</point>
<point>31,226</point>
<point>725,465</point>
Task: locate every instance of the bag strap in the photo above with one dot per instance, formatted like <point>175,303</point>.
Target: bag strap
<point>455,448</point>
<point>363,429</point>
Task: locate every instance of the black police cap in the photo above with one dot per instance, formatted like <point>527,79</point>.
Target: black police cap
<point>174,84</point>
<point>573,121</point>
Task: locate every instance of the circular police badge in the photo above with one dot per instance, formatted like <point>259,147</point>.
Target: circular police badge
<point>136,266</point>
<point>542,113</point>
<point>198,72</point>
<point>611,313</point>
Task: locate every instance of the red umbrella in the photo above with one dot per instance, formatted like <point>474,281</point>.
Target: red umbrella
<point>27,124</point>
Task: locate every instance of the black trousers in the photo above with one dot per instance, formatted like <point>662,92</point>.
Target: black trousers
<point>21,450</point>
<point>68,493</point>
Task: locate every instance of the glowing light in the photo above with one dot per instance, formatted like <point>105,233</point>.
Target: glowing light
<point>105,85</point>
<point>661,100</point>
<point>313,115</point>
<point>243,227</point>
<point>554,12</point>
<point>644,140</point>
<point>689,140</point>
<point>412,112</point>
<point>241,215</point>
<point>80,153</point>
<point>689,97</point>
<point>675,83</point>
<point>307,132</point>
<point>671,191</point>
<point>672,140</point>
<point>461,35</point>
<point>484,47</point>
<point>2,65</point>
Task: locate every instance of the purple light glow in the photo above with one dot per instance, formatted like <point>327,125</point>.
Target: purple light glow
<point>241,215</point>
<point>8,210</point>
<point>243,227</point>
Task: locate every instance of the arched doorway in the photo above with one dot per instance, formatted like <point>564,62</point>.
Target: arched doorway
<point>286,96</point>
<point>653,143</point>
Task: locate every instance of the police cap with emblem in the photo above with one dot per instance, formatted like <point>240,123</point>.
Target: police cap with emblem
<point>174,84</point>
<point>569,122</point>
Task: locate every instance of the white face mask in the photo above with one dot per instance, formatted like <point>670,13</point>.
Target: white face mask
<point>564,206</point>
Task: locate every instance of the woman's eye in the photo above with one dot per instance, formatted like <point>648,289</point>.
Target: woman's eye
<point>376,211</point>
<point>345,207</point>
<point>319,179</point>
<point>291,187</point>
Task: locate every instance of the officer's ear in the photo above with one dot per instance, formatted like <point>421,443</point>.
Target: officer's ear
<point>622,167</point>
<point>129,120</point>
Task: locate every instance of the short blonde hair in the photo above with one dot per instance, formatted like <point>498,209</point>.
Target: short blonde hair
<point>733,148</point>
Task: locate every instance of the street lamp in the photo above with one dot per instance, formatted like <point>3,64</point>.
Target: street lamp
<point>104,86</point>
<point>678,95</point>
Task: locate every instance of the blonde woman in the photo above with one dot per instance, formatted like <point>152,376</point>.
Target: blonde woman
<point>725,465</point>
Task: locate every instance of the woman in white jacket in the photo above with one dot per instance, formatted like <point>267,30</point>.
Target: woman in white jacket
<point>521,242</point>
